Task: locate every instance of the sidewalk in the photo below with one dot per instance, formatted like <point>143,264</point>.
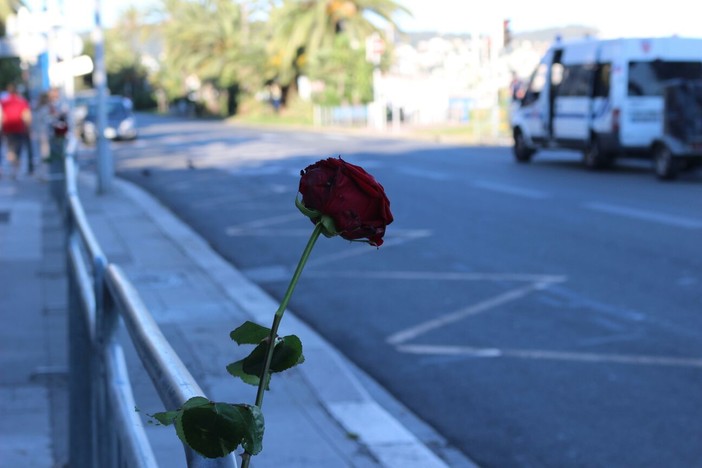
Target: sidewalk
<point>324,413</point>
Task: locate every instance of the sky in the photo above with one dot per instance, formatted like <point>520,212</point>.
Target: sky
<point>614,18</point>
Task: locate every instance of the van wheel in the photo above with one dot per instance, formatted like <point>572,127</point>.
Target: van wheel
<point>593,156</point>
<point>522,153</point>
<point>665,164</point>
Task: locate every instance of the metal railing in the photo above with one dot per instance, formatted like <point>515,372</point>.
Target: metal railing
<point>105,430</point>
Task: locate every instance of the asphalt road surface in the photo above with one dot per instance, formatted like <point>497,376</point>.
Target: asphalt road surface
<point>536,315</point>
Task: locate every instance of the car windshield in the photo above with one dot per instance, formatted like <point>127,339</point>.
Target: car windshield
<point>116,110</point>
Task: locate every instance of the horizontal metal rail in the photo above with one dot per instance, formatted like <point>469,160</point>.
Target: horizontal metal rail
<point>135,450</point>
<point>105,430</point>
<point>172,380</point>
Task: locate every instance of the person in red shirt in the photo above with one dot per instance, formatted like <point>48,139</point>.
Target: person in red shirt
<point>16,120</point>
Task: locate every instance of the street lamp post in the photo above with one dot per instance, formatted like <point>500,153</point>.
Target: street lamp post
<point>105,166</point>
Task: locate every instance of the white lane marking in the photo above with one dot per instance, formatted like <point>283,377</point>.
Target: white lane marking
<point>440,276</point>
<point>260,223</point>
<point>398,237</point>
<point>635,359</point>
<point>425,174</point>
<point>644,215</point>
<point>510,190</point>
<point>287,232</point>
<point>425,327</point>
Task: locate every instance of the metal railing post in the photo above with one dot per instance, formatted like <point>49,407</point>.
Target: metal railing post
<point>106,325</point>
<point>81,428</point>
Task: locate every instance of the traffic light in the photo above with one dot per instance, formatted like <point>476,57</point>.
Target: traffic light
<point>506,33</point>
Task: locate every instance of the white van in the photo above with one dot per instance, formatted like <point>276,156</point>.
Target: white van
<point>605,97</point>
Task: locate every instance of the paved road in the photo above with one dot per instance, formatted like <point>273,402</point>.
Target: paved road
<point>535,315</point>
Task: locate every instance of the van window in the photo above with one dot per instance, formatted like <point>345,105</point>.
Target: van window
<point>577,80</point>
<point>536,84</point>
<point>646,78</point>
<point>602,77</point>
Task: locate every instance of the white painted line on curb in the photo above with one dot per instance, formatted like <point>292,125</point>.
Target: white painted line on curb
<point>510,190</point>
<point>380,431</point>
<point>644,215</point>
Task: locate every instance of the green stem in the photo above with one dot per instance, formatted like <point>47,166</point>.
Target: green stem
<point>262,384</point>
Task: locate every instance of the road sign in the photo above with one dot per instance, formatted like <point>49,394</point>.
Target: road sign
<point>77,66</point>
<point>27,47</point>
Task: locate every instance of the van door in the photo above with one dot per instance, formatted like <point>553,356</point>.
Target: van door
<point>534,109</point>
<point>573,97</point>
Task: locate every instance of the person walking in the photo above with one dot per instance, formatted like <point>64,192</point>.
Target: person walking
<point>16,121</point>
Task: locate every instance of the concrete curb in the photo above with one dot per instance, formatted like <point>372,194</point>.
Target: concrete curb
<point>343,397</point>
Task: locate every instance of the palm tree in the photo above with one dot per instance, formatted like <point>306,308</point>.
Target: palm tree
<point>9,66</point>
<point>8,7</point>
<point>301,28</point>
<point>211,39</point>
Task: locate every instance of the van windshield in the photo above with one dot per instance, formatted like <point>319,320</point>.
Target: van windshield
<point>647,78</point>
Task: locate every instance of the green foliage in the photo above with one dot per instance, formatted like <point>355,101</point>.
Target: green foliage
<point>236,47</point>
<point>345,72</point>
<point>236,369</point>
<point>212,39</point>
<point>255,112</point>
<point>300,30</point>
<point>216,429</point>
<point>249,333</point>
<point>10,71</point>
<point>8,7</point>
<point>287,353</point>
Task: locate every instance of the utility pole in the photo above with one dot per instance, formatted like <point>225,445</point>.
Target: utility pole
<point>105,165</point>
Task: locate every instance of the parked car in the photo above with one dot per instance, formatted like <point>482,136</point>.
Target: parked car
<point>120,124</point>
<point>81,101</point>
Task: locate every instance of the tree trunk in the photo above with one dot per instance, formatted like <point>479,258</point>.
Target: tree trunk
<point>288,92</point>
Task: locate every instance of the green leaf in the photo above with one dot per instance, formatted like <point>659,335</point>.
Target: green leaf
<point>237,370</point>
<point>166,418</point>
<point>253,363</point>
<point>287,353</point>
<point>216,429</point>
<point>255,425</point>
<point>195,402</point>
<point>250,333</point>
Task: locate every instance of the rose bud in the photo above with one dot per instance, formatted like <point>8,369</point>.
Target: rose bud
<point>346,194</point>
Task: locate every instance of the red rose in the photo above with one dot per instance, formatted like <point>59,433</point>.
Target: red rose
<point>350,196</point>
